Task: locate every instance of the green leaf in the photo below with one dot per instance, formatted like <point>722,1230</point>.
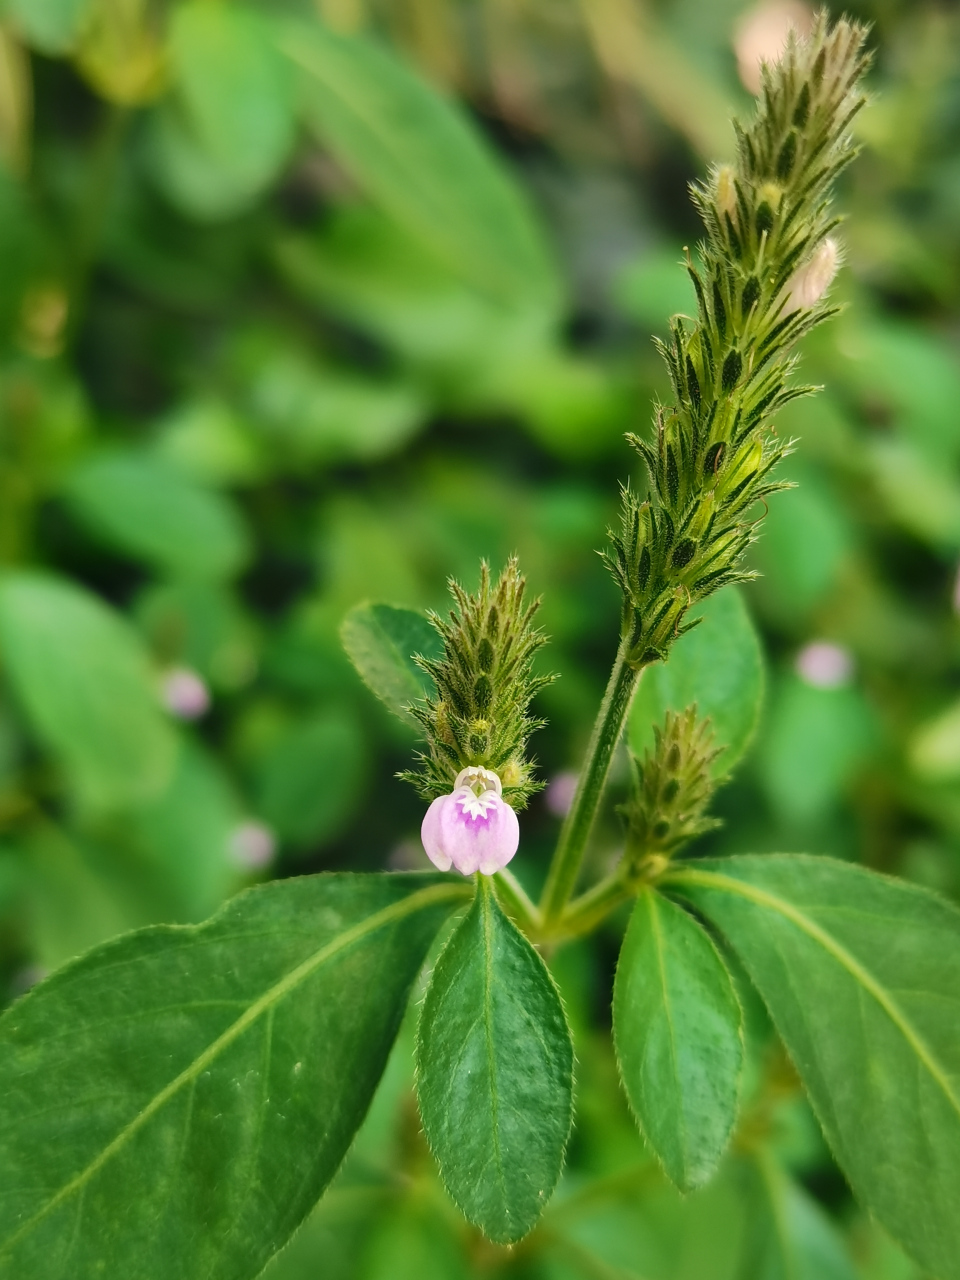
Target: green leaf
<point>812,745</point>
<point>51,26</point>
<point>216,1075</point>
<point>84,681</point>
<point>421,159</point>
<point>235,87</point>
<point>185,833</point>
<point>719,666</point>
<point>788,1236</point>
<point>380,641</point>
<point>311,779</point>
<point>862,978</point>
<point>676,1024</point>
<point>495,1073</point>
<point>309,413</point>
<point>155,513</point>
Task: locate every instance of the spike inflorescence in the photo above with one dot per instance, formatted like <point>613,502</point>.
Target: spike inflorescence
<point>764,268</point>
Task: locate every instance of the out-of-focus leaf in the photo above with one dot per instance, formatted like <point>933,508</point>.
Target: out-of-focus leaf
<point>805,544</point>
<point>788,1235</point>
<point>935,747</point>
<point>310,780</point>
<point>922,496</point>
<point>813,742</point>
<point>121,51</point>
<point>413,1240</point>
<point>202,626</point>
<point>861,975</point>
<point>494,1073</point>
<point>157,514</point>
<point>676,1025</point>
<point>16,104</point>
<point>363,266</point>
<point>909,375</point>
<point>381,640</point>
<point>331,1241</point>
<point>78,893</point>
<point>418,156</point>
<point>655,287</point>
<point>314,414</point>
<point>185,833</point>
<point>52,26</point>
<point>640,1228</point>
<point>195,182</point>
<point>574,406</point>
<point>215,1078</point>
<point>83,679</point>
<point>206,440</point>
<point>234,89</point>
<point>719,666</point>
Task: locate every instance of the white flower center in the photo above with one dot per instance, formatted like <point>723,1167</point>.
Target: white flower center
<point>474,806</point>
<point>479,781</point>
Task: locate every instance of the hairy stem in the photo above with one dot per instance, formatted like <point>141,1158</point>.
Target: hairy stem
<point>575,832</point>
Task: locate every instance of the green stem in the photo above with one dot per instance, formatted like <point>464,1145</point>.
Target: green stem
<point>575,832</point>
<point>584,914</point>
<point>515,902</point>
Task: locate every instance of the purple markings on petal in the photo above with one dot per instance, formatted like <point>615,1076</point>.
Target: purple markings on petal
<point>470,832</point>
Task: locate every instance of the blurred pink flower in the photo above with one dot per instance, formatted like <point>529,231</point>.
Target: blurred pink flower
<point>559,794</point>
<point>252,846</point>
<point>824,665</point>
<point>761,35</point>
<point>184,694</point>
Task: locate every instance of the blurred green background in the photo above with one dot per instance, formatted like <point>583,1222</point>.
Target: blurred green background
<point>282,330</point>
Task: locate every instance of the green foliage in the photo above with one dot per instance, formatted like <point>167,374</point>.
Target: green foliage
<point>676,1025</point>
<point>304,305</point>
<point>159,516</point>
<point>273,1019</point>
<point>423,163</point>
<point>860,974</point>
<point>381,641</point>
<point>719,666</point>
<point>495,1073</point>
<point>85,684</point>
<point>229,126</point>
<point>310,779</point>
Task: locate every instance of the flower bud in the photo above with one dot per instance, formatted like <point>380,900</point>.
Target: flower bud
<point>473,828</point>
<point>810,282</point>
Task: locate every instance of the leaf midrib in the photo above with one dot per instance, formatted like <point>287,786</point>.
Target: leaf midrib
<point>763,898</point>
<point>487,908</point>
<point>415,902</point>
<point>660,949</point>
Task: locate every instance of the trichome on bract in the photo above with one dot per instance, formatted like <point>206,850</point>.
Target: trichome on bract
<point>484,682</point>
<point>764,268</point>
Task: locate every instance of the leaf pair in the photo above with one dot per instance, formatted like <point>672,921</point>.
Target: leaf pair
<point>861,975</point>
<point>176,1101</point>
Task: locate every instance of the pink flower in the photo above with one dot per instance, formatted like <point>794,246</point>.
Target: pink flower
<point>473,828</point>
